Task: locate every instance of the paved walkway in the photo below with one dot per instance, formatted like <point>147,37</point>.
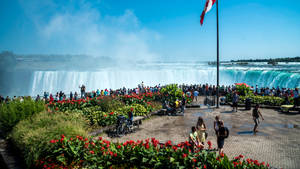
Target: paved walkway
<point>277,142</point>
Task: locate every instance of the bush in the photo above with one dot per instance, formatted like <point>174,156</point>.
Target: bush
<point>264,100</point>
<point>31,136</point>
<point>13,112</point>
<point>138,110</point>
<point>171,93</point>
<point>99,153</point>
<point>243,90</point>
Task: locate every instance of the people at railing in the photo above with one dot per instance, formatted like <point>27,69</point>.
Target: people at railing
<point>192,91</point>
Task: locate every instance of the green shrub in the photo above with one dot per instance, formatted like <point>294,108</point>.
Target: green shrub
<point>15,111</point>
<point>138,110</point>
<point>31,136</point>
<point>264,100</point>
<point>243,90</point>
<point>171,93</point>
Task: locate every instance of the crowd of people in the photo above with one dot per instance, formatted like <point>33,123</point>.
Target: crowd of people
<point>192,91</point>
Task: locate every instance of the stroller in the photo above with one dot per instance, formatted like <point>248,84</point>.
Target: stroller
<point>124,126</point>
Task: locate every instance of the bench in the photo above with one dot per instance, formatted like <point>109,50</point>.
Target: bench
<point>137,120</point>
<point>286,108</point>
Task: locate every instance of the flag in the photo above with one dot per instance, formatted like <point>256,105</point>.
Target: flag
<point>208,6</point>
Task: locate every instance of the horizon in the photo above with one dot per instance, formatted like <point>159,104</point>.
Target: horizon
<point>151,31</point>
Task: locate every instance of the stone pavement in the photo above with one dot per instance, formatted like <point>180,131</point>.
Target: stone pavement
<point>277,142</point>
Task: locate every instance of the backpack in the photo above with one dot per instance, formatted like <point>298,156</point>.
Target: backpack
<point>226,130</point>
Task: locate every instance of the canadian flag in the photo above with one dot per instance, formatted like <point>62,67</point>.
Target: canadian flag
<point>208,6</point>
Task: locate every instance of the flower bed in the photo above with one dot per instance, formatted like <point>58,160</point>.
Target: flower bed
<point>82,152</point>
<point>103,111</point>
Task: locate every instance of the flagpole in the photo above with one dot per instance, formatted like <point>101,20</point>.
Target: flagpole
<point>217,1</point>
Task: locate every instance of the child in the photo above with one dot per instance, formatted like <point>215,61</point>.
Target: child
<point>194,139</point>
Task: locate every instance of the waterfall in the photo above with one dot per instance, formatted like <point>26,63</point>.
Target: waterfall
<point>66,81</point>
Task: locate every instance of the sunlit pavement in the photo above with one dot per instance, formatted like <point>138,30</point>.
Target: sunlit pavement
<point>277,141</point>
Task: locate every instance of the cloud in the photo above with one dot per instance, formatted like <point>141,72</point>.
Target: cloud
<point>79,28</point>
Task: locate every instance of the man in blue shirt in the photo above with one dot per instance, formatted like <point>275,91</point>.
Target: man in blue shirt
<point>196,93</point>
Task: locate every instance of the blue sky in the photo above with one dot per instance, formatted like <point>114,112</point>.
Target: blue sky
<point>151,29</point>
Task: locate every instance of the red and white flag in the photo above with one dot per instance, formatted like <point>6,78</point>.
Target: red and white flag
<point>208,6</point>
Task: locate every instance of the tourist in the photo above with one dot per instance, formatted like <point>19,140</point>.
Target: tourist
<point>255,114</point>
<point>45,95</point>
<point>196,93</point>
<point>201,130</point>
<point>71,95</point>
<point>194,139</point>
<point>37,98</point>
<point>222,134</point>
<point>98,92</point>
<point>296,97</point>
<point>82,90</point>
<point>7,99</point>
<point>183,102</point>
<point>130,116</point>
<point>235,100</point>
<point>217,123</point>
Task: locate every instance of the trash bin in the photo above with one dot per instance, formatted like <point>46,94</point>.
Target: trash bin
<point>248,104</point>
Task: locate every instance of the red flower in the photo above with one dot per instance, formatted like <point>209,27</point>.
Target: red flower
<point>184,155</point>
<point>111,113</point>
<point>174,148</point>
<point>119,146</point>
<point>241,156</point>
<point>92,152</point>
<point>168,143</point>
<point>147,146</point>
<point>194,160</point>
<point>204,166</point>
<point>100,138</point>
<point>222,154</point>
<point>209,144</point>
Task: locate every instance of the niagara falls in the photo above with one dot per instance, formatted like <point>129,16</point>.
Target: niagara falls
<point>158,84</point>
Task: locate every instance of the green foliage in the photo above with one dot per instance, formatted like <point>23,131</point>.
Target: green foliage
<point>243,90</point>
<point>171,93</point>
<point>138,110</point>
<point>263,100</point>
<point>13,112</point>
<point>32,135</point>
<point>98,153</point>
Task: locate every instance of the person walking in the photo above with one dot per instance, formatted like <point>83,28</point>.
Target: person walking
<point>235,100</point>
<point>217,123</point>
<point>255,114</point>
<point>201,130</point>
<point>222,134</point>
